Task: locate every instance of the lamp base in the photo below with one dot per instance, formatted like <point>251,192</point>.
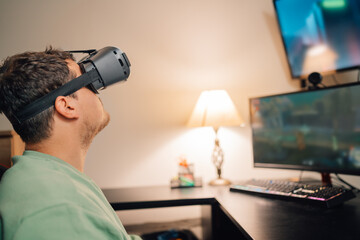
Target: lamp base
<point>220,182</point>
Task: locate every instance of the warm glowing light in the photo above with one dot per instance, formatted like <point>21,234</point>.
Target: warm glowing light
<point>317,50</point>
<point>215,108</point>
<point>319,58</point>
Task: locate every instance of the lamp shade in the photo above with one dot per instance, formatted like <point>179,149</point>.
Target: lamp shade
<point>214,108</point>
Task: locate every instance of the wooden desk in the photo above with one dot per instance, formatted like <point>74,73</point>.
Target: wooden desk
<point>243,216</point>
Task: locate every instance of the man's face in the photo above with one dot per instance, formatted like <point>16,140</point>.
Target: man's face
<point>93,117</point>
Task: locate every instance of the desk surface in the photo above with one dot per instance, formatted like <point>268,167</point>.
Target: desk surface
<point>262,218</point>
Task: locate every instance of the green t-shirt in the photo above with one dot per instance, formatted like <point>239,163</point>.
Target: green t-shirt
<point>43,197</point>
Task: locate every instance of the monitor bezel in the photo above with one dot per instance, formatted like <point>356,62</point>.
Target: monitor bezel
<point>298,167</point>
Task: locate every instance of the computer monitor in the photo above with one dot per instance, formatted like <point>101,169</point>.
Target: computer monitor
<point>319,35</point>
<point>315,130</point>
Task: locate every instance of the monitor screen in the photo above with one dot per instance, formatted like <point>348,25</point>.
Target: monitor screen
<point>319,35</point>
<point>315,130</point>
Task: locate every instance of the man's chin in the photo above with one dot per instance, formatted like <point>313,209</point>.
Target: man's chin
<point>105,122</point>
<point>92,130</point>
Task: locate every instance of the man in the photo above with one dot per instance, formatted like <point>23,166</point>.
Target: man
<point>45,194</point>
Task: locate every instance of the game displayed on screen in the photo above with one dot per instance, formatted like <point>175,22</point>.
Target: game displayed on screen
<point>320,35</point>
<point>311,130</point>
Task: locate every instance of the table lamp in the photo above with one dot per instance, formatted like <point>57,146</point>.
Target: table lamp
<point>215,108</point>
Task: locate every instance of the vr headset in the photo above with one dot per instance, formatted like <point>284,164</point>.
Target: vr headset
<point>100,69</point>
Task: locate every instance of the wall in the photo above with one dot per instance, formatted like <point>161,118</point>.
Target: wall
<point>177,49</point>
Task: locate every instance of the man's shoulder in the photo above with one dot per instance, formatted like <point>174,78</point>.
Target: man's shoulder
<point>30,187</point>
<point>40,171</point>
<point>31,174</point>
<point>33,184</point>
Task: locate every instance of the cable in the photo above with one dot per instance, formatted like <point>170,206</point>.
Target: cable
<point>348,184</point>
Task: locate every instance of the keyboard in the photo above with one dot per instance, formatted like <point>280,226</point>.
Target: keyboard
<point>325,196</point>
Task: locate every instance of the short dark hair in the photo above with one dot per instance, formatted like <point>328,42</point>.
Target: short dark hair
<point>26,77</point>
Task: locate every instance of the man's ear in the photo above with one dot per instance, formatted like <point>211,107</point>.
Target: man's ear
<point>67,107</point>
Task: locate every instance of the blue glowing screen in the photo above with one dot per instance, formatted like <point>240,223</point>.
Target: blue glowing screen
<point>314,130</point>
<point>320,35</point>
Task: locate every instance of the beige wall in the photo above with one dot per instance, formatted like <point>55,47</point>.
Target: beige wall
<point>177,49</point>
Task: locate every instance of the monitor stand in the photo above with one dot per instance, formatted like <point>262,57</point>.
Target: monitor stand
<point>326,179</point>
